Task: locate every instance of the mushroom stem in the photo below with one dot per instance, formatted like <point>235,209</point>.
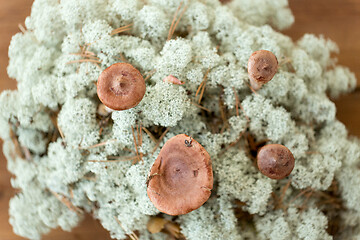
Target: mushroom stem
<point>103,110</point>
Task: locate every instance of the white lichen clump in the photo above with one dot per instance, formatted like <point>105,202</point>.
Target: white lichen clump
<point>69,160</point>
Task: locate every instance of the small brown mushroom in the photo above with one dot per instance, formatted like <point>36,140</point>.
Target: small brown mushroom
<point>275,161</point>
<point>121,86</point>
<point>181,178</point>
<point>262,66</point>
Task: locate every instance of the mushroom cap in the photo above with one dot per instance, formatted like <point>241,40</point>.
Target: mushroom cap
<point>181,178</point>
<point>262,66</point>
<point>121,86</point>
<point>275,161</point>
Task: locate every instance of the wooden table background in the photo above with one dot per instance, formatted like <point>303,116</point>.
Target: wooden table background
<point>336,19</point>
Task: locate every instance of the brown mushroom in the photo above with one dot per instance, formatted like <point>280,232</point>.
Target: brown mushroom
<point>275,161</point>
<point>262,66</point>
<point>181,178</point>
<point>121,86</point>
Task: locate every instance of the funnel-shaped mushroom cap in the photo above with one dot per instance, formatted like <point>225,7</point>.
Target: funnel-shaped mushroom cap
<point>121,86</point>
<point>275,161</point>
<point>262,66</point>
<point>181,178</point>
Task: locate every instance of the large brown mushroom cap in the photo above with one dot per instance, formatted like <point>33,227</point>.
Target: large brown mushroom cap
<point>262,66</point>
<point>275,161</point>
<point>121,86</point>
<point>181,178</point>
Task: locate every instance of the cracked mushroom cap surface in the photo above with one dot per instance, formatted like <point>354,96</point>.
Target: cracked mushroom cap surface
<point>121,86</point>
<point>275,161</point>
<point>181,178</point>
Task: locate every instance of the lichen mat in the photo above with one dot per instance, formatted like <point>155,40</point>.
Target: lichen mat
<point>70,155</point>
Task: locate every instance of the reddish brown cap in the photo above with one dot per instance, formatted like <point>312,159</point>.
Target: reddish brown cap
<point>121,86</point>
<point>275,161</point>
<point>262,66</point>
<point>181,178</point>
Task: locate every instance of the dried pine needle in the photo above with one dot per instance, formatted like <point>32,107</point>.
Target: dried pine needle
<point>173,21</point>
<point>132,235</point>
<point>67,203</point>
<point>123,159</point>
<point>135,143</point>
<point>159,141</point>
<point>201,107</point>
<point>149,134</point>
<point>99,144</point>
<point>121,29</point>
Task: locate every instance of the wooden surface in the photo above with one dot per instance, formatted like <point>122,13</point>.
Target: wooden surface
<point>336,19</point>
